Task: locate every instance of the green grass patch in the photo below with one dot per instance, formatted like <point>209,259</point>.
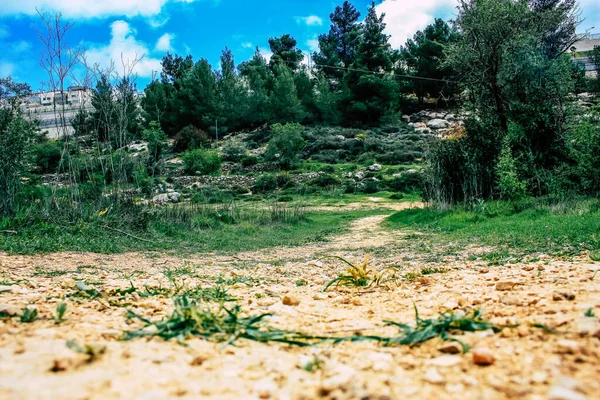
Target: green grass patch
<point>511,229</point>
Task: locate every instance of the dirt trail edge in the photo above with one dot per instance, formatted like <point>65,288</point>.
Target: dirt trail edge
<point>526,361</point>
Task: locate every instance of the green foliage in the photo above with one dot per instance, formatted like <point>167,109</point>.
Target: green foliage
<point>225,325</point>
<point>29,315</point>
<point>157,142</point>
<point>190,138</point>
<point>234,150</point>
<point>47,155</point>
<point>61,309</point>
<point>16,135</point>
<point>442,327</point>
<point>509,184</point>
<point>202,162</point>
<point>584,148</point>
<point>285,144</point>
<point>285,52</point>
<point>284,104</point>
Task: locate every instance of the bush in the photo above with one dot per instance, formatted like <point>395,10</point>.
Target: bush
<point>202,162</point>
<point>190,138</point>
<point>157,142</point>
<point>285,144</point>
<point>509,184</point>
<point>248,161</point>
<point>325,180</point>
<point>369,187</point>
<point>285,199</point>
<point>265,183</point>
<point>406,181</point>
<point>397,196</point>
<point>234,150</point>
<point>284,180</point>
<point>47,155</point>
<point>584,149</point>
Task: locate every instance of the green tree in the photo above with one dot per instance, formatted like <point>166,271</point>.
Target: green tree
<point>595,58</point>
<point>196,102</point>
<point>338,48</point>
<point>103,104</point>
<point>82,123</point>
<point>285,144</point>
<point>327,102</point>
<point>234,106</point>
<point>284,105</point>
<point>157,143</point>
<point>156,101</point>
<point>174,67</point>
<point>372,90</point>
<point>258,79</point>
<point>424,56</point>
<point>16,135</point>
<point>285,51</point>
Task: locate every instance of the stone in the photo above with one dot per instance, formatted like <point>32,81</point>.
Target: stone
<point>444,361</point>
<point>9,309</point>
<point>451,348</point>
<point>483,356</point>
<point>559,296</point>
<point>290,300</point>
<point>433,376</point>
<point>320,296</point>
<point>164,198</point>
<point>438,124</point>
<point>563,393</point>
<point>587,326</point>
<point>374,167</point>
<point>565,346</point>
<point>357,301</point>
<point>505,285</point>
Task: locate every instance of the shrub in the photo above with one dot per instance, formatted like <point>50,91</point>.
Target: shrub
<point>265,183</point>
<point>285,199</point>
<point>157,141</point>
<point>190,138</point>
<point>584,149</point>
<point>326,180</point>
<point>285,144</point>
<point>284,180</point>
<point>202,162</point>
<point>234,150</point>
<point>47,155</point>
<point>406,181</point>
<point>248,161</point>
<point>509,184</point>
<point>370,186</point>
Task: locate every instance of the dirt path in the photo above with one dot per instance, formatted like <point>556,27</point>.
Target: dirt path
<point>529,363</point>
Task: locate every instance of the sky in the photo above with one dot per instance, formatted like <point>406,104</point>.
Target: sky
<point>123,29</point>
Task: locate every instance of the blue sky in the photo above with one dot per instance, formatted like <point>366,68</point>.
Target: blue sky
<point>109,28</point>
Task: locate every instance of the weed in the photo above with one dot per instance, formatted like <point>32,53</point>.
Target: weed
<point>589,313</point>
<point>39,271</point>
<point>61,309</point>
<point>433,270</point>
<point>223,325</point>
<point>29,315</point>
<point>359,275</point>
<point>186,270</point>
<point>300,282</point>
<point>442,327</point>
<point>313,365</point>
<point>91,350</point>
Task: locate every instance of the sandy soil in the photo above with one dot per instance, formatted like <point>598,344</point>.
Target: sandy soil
<point>35,363</point>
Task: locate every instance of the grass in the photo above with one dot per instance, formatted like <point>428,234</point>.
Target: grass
<point>512,230</point>
<point>225,325</point>
<point>243,235</point>
<point>358,275</point>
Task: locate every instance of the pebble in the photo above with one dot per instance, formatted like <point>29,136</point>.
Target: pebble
<point>290,300</point>
<point>450,348</point>
<point>9,310</point>
<point>357,301</point>
<point>565,346</point>
<point>563,393</point>
<point>505,285</point>
<point>320,296</point>
<point>558,296</point>
<point>528,268</point>
<point>433,376</point>
<point>483,356</point>
<point>444,361</point>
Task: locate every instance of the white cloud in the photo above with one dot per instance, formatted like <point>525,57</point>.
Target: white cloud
<point>85,8</point>
<point>313,44</point>
<point>164,42</point>
<point>310,20</point>
<point>124,48</point>
<point>158,21</point>
<point>266,53</point>
<point>405,17</point>
<point>6,69</point>
<point>247,45</point>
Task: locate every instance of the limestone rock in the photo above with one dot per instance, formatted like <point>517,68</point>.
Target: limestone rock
<point>483,356</point>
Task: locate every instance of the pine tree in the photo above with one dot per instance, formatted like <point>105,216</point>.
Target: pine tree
<point>337,49</point>
<point>258,79</point>
<point>174,67</point>
<point>233,107</point>
<point>103,115</point>
<point>371,90</point>
<point>285,51</point>
<point>156,100</point>
<point>327,102</point>
<point>284,105</point>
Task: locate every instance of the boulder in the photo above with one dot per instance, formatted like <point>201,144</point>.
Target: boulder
<point>164,198</point>
<point>438,124</point>
<point>374,167</point>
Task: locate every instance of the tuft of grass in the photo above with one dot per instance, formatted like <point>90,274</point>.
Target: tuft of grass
<point>443,327</point>
<point>589,313</point>
<point>29,315</point>
<point>61,309</point>
<point>225,325</point>
<point>359,275</point>
<point>92,351</point>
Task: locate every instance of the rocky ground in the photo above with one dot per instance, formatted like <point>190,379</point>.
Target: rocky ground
<point>522,361</point>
